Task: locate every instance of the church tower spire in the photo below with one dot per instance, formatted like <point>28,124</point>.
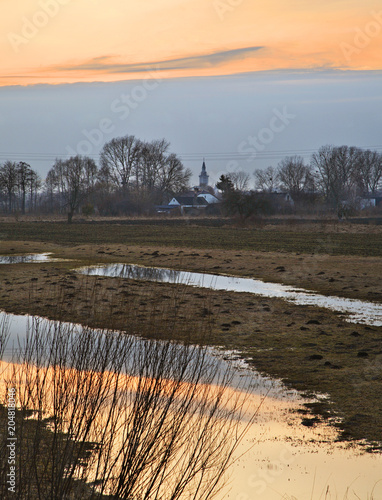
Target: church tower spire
<point>203,177</point>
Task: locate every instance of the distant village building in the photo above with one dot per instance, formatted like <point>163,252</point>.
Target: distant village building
<point>209,197</point>
<point>203,177</point>
<point>370,200</point>
<point>193,201</point>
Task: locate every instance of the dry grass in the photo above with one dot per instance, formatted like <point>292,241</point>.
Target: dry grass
<point>203,234</point>
<point>309,348</point>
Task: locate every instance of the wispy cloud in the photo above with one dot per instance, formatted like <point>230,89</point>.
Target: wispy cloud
<point>105,64</point>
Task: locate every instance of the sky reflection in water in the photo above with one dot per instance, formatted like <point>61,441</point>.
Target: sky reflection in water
<point>23,259</point>
<point>282,459</point>
<point>356,311</point>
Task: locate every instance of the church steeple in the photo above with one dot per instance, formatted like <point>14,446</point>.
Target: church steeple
<point>203,177</point>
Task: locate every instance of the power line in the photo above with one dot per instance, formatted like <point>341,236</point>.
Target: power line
<point>212,156</point>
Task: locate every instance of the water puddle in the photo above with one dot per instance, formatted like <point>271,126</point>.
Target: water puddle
<point>24,331</point>
<point>23,259</point>
<point>279,458</point>
<point>356,311</point>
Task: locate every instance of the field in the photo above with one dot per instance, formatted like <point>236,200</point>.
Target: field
<point>315,238</point>
<point>311,349</point>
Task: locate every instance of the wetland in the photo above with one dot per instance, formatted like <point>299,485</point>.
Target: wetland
<point>307,348</point>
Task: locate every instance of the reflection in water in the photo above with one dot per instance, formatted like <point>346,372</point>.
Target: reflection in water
<point>288,461</point>
<point>161,419</point>
<point>141,273</point>
<point>23,259</point>
<point>357,311</point>
<point>282,458</point>
<point>21,332</point>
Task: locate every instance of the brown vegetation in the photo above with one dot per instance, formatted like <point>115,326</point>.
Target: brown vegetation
<point>311,349</point>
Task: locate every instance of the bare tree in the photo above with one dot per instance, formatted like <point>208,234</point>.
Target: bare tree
<point>120,416</point>
<point>152,163</point>
<point>240,180</point>
<point>369,171</point>
<point>173,177</point>
<point>266,180</point>
<point>8,182</point>
<point>146,172</point>
<point>35,184</point>
<point>17,182</point>
<point>74,179</point>
<point>295,176</point>
<point>51,187</point>
<point>27,181</point>
<point>336,172</point>
<point>119,158</point>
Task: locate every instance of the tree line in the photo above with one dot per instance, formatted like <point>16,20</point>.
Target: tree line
<point>335,180</point>
<point>19,186</point>
<point>132,176</point>
<point>336,173</point>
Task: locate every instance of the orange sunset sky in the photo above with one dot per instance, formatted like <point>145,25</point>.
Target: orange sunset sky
<point>65,41</point>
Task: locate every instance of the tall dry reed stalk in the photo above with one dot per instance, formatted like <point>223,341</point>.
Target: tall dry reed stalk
<point>104,413</point>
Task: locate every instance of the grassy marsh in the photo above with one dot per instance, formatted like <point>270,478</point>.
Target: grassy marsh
<point>313,350</point>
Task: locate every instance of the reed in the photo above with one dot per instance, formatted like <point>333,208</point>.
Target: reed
<point>111,414</point>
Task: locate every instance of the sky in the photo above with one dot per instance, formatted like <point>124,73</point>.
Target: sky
<point>241,83</point>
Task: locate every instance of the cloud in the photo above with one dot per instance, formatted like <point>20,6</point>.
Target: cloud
<point>105,64</point>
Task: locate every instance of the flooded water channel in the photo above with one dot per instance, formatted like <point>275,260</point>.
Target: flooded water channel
<point>30,258</point>
<point>356,311</point>
<point>279,458</point>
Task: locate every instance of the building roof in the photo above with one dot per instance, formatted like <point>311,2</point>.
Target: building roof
<point>210,198</point>
<point>184,200</point>
<point>190,201</point>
